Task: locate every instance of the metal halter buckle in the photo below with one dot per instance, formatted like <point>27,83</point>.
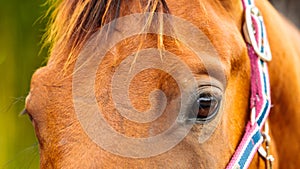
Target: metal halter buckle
<point>255,33</point>
<point>265,152</point>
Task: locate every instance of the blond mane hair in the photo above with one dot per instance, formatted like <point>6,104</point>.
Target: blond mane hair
<point>72,22</point>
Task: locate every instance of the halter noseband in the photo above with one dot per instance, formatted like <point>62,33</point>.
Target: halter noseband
<point>260,101</point>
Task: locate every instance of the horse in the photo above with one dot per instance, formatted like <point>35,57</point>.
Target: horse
<point>222,85</point>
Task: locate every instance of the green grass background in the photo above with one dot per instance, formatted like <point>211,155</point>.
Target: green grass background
<point>21,32</point>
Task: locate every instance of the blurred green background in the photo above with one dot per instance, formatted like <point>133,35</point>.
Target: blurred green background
<point>21,31</point>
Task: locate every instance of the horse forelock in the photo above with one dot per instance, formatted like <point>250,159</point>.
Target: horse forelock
<point>72,22</point>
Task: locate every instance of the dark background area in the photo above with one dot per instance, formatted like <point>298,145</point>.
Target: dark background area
<point>290,8</point>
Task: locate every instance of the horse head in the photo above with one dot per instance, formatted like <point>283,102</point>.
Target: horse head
<point>158,83</point>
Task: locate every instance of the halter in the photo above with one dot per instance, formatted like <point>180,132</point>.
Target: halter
<point>260,101</point>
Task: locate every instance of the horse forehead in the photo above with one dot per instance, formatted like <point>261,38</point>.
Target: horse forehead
<point>217,24</point>
<point>220,21</point>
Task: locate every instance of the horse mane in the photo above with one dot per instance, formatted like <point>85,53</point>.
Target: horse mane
<point>72,22</point>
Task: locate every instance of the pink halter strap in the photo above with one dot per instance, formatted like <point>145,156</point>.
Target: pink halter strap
<point>260,101</point>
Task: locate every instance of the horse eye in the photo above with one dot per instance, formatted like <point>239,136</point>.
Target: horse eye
<point>206,105</point>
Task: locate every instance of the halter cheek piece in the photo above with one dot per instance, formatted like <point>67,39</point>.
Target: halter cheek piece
<point>260,101</point>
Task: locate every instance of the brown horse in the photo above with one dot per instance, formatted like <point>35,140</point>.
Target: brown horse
<point>223,85</point>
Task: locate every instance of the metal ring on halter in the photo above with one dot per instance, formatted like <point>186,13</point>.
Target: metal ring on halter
<point>254,27</point>
<point>265,152</point>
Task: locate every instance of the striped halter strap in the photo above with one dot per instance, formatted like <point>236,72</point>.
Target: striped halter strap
<point>260,101</point>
